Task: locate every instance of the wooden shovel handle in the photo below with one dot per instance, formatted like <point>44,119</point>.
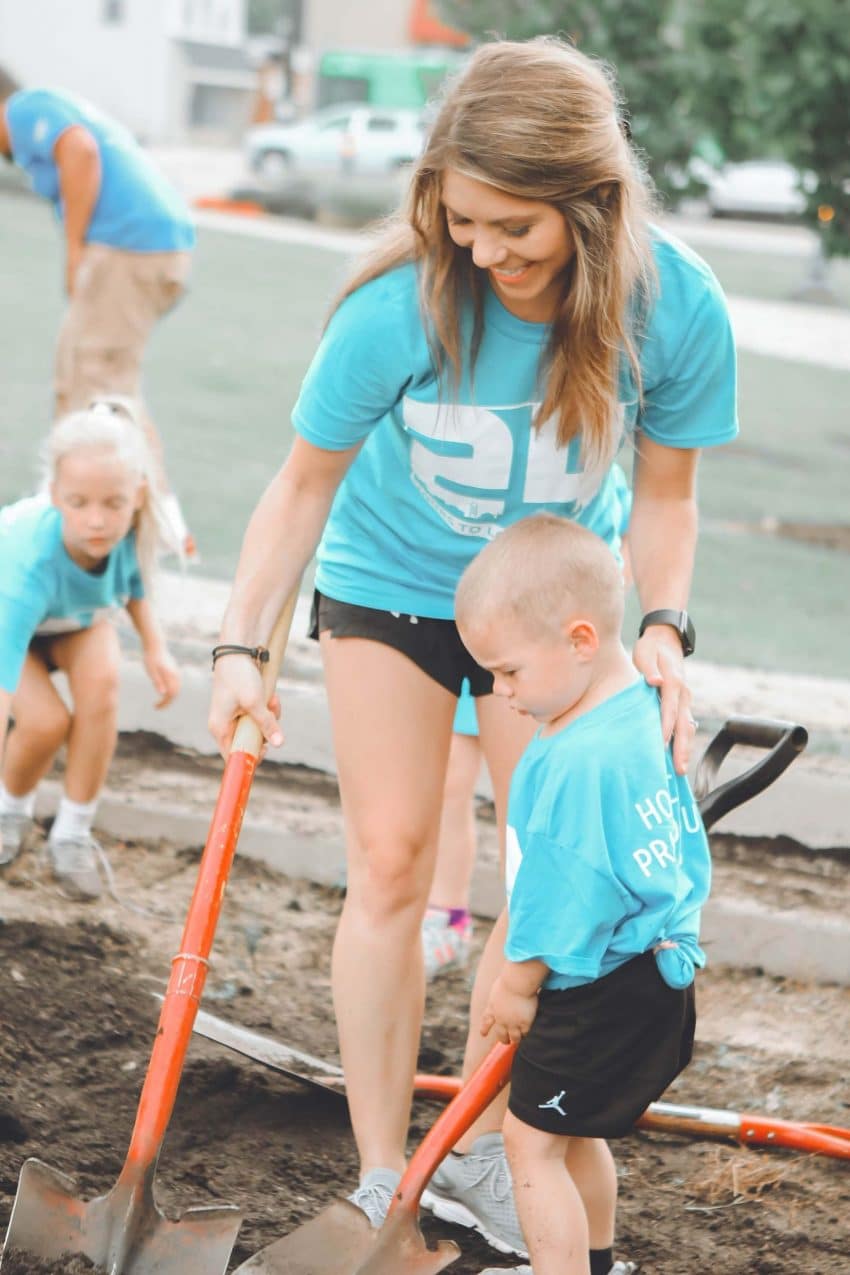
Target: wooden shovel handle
<point>248,738</point>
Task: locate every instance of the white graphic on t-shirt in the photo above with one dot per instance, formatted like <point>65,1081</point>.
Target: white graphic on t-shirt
<point>554,1103</point>
<point>473,448</point>
<point>40,128</point>
<point>659,814</point>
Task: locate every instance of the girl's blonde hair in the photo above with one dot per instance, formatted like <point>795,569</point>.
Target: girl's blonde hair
<point>541,121</point>
<point>111,424</point>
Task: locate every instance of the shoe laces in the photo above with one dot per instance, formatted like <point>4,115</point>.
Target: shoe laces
<point>77,854</point>
<point>374,1198</point>
<point>492,1170</point>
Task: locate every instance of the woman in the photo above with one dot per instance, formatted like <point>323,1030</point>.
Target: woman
<point>510,327</point>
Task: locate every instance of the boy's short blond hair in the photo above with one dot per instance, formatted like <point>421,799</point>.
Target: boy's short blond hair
<point>543,571</point>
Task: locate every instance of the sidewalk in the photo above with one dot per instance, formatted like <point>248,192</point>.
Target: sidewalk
<point>808,804</point>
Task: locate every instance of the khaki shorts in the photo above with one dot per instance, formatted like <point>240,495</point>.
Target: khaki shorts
<point>118,297</point>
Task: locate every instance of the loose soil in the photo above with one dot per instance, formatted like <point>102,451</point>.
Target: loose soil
<point>78,1012</point>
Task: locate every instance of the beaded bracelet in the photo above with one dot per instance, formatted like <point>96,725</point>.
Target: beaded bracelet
<point>259,654</point>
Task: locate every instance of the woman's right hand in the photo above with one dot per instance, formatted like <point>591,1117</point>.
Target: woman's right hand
<point>237,692</point>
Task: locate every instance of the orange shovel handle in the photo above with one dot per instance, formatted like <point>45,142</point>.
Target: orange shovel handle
<point>464,1109</point>
<point>189,966</point>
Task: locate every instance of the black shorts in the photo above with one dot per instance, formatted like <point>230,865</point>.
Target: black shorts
<point>434,646</point>
<point>597,1055</point>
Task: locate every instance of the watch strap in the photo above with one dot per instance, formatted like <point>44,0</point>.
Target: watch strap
<point>678,620</point>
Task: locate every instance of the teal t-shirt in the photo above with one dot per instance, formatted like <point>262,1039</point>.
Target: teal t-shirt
<point>42,589</point>
<point>441,471</point>
<point>137,209</point>
<point>606,851</point>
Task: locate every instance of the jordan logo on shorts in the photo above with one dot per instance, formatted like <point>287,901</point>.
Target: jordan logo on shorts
<point>554,1103</point>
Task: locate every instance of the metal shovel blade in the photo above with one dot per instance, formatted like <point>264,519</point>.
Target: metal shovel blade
<point>341,1241</point>
<point>122,1233</point>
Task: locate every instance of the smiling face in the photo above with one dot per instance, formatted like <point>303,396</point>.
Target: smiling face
<point>544,676</point>
<point>524,245</point>
<point>97,496</point>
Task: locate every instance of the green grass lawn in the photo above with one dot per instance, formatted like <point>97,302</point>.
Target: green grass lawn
<point>224,371</point>
<point>771,276</point>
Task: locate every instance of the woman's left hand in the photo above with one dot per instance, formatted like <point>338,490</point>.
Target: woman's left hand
<point>163,673</point>
<point>658,656</point>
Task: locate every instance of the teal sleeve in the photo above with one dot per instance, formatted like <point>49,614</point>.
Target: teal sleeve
<point>362,366</point>
<point>37,119</point>
<point>18,622</point>
<point>564,907</point>
<point>690,387</point>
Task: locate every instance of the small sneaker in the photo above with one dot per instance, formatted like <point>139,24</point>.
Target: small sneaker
<point>619,1268</point>
<point>476,1190</point>
<point>375,1193</point>
<point>445,946</point>
<point>74,864</point>
<point>15,831</point>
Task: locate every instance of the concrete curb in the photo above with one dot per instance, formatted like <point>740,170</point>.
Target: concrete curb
<point>803,944</point>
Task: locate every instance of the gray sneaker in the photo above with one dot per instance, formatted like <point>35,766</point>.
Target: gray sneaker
<point>74,864</point>
<point>375,1193</point>
<point>15,832</point>
<point>475,1190</point>
<point>619,1268</point>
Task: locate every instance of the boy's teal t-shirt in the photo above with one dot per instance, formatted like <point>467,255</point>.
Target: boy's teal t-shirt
<point>42,589</point>
<point>137,209</point>
<point>606,851</point>
<point>441,473</point>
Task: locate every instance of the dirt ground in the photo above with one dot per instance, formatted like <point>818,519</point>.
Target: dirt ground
<point>78,1012</point>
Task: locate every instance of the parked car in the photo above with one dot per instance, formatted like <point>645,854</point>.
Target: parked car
<point>356,139</point>
<point>757,188</point>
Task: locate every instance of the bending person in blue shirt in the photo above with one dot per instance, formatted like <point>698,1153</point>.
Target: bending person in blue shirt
<point>519,318</point>
<point>128,238</point>
<point>607,869</point>
<point>68,559</point>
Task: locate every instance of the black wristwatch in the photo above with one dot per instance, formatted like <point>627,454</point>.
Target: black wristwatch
<point>678,620</point>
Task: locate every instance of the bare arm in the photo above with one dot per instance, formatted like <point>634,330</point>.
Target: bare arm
<point>281,538</point>
<point>662,540</point>
<point>78,162</point>
<point>5,709</point>
<point>159,664</point>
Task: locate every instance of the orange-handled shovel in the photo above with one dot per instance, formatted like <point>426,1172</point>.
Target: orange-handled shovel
<point>123,1232</point>
<point>341,1241</point>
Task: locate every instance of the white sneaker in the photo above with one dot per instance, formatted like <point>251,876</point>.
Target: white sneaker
<point>15,833</point>
<point>475,1190</point>
<point>74,864</point>
<point>444,946</point>
<point>375,1194</point>
<point>619,1268</point>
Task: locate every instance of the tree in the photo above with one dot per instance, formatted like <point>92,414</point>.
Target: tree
<point>774,76</point>
<point>641,38</point>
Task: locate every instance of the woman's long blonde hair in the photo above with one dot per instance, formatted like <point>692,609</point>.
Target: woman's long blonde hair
<point>541,121</point>
<point>111,424</point>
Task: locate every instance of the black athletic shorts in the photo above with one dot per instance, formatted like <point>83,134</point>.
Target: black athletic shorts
<point>597,1055</point>
<point>433,645</point>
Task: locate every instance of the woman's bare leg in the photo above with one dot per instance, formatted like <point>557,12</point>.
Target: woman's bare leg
<point>392,725</point>
<point>504,735</point>
<point>456,844</point>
